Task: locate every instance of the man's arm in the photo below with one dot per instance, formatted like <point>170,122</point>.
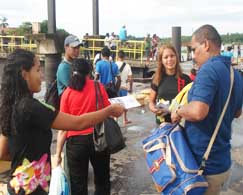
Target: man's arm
<point>61,138</point>
<point>130,80</point>
<point>194,111</point>
<point>116,73</point>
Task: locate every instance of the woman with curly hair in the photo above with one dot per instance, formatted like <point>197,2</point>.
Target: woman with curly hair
<point>26,123</point>
<point>167,83</point>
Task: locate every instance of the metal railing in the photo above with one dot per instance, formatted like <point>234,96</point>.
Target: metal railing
<point>134,49</point>
<point>9,43</point>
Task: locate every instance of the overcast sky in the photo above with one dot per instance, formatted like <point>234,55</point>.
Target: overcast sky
<point>139,16</point>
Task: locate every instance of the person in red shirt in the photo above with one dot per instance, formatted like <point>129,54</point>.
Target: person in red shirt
<point>193,74</point>
<point>77,99</point>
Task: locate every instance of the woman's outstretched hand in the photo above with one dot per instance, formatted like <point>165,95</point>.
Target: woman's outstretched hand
<point>116,110</point>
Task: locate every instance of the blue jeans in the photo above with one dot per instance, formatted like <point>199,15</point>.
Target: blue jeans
<point>80,150</point>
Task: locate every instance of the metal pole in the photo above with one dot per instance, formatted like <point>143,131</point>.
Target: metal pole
<point>52,60</point>
<point>51,16</point>
<point>95,17</point>
<point>176,39</point>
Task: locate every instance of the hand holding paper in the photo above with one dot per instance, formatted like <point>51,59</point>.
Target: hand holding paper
<point>128,101</point>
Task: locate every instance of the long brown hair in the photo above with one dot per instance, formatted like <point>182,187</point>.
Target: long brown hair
<point>160,72</point>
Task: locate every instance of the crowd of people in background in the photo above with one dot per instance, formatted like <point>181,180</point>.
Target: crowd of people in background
<point>111,41</point>
<point>151,47</point>
<point>232,51</point>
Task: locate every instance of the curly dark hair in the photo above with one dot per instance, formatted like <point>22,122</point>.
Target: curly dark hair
<point>13,87</point>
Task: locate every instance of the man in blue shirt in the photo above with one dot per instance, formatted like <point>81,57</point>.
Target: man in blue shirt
<point>106,71</point>
<point>228,53</point>
<point>72,49</point>
<point>206,99</point>
<point>123,35</point>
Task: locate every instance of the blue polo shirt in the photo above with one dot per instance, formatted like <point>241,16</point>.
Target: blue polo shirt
<point>211,86</point>
<point>104,71</point>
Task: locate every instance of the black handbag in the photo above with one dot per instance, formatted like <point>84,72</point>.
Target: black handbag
<point>111,86</point>
<point>111,90</point>
<point>107,134</point>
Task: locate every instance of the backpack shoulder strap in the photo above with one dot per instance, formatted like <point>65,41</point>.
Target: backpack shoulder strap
<point>122,67</point>
<point>112,74</point>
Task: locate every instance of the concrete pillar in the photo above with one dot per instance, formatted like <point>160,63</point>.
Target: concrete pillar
<point>49,44</point>
<point>51,16</point>
<point>53,56</point>
<point>176,39</point>
<point>95,17</point>
<point>51,63</point>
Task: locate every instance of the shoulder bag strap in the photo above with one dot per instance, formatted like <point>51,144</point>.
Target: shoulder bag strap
<point>122,67</point>
<point>98,95</point>
<point>216,130</point>
<point>112,74</point>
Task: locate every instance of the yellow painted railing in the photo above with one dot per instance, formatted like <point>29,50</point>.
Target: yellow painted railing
<point>9,43</point>
<point>134,49</point>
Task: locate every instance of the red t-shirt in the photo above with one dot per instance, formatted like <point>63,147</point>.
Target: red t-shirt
<point>80,102</point>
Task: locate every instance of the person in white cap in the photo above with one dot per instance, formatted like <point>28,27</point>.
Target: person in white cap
<point>72,50</point>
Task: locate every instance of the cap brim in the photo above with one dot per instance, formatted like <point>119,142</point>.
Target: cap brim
<point>75,44</point>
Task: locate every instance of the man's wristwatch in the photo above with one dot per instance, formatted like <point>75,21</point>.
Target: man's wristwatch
<point>176,111</point>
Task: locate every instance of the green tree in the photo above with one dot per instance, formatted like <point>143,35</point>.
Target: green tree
<point>44,26</point>
<point>24,28</point>
<point>3,23</point>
